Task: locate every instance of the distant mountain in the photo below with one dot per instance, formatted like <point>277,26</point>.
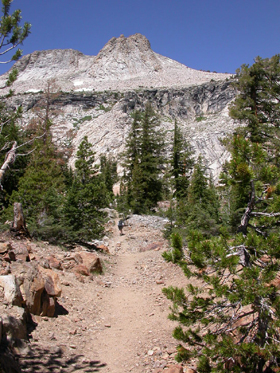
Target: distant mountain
<point>122,64</point>
<point>99,93</point>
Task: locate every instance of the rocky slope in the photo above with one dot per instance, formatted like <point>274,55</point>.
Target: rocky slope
<point>98,94</point>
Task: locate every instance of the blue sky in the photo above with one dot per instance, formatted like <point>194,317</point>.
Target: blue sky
<point>215,35</point>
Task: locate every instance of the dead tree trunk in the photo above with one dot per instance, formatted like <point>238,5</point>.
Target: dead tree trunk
<point>10,158</point>
<point>247,215</point>
<point>18,226</point>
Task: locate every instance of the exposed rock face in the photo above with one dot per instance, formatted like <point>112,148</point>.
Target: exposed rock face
<point>123,63</point>
<point>127,74</point>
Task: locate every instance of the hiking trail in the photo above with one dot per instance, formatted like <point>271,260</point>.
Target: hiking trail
<point>116,322</point>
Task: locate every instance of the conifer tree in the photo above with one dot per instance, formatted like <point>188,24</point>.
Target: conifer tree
<point>108,170</point>
<point>181,163</point>
<point>85,198</point>
<point>199,210</point>
<point>12,35</point>
<point>229,319</point>
<point>130,160</point>
<point>41,189</point>
<point>143,162</point>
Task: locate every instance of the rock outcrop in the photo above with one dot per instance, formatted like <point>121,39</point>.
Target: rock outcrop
<point>122,64</point>
<point>99,93</point>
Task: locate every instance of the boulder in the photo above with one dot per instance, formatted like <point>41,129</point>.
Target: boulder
<point>31,284</point>
<point>4,247</point>
<point>14,324</point>
<point>12,293</point>
<point>82,270</point>
<point>90,261</point>
<point>32,290</point>
<point>153,246</point>
<point>39,287</point>
<point>51,280</point>
<point>54,262</point>
<point>21,252</point>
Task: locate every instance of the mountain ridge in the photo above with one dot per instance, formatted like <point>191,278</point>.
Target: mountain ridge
<point>123,63</point>
<point>98,94</point>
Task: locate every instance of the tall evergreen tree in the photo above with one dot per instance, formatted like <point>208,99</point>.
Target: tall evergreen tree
<point>41,189</point>
<point>85,198</point>
<point>181,163</point>
<point>230,320</point>
<point>108,170</point>
<point>130,159</point>
<point>143,162</point>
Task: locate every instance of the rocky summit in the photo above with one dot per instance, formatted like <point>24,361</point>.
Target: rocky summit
<point>97,95</point>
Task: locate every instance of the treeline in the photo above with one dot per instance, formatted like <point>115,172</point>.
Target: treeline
<point>62,204</point>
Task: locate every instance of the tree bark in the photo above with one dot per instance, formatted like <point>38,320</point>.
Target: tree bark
<point>19,226</point>
<point>9,159</point>
<point>247,215</point>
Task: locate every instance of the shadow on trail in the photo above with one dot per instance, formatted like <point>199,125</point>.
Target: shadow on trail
<point>42,360</point>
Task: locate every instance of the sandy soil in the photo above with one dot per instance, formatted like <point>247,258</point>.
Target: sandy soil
<point>116,322</point>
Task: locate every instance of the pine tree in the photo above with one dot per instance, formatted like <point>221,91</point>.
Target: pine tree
<point>12,34</point>
<point>41,189</point>
<point>229,319</point>
<point>130,159</point>
<point>108,170</point>
<point>258,101</point>
<point>200,209</point>
<point>85,198</point>
<point>143,162</point>
<point>181,163</point>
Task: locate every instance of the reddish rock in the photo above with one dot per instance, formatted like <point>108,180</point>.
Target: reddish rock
<point>10,257</point>
<point>33,291</point>
<point>51,280</point>
<point>54,262</point>
<point>103,248</point>
<point>82,270</point>
<point>91,262</point>
<point>174,369</point>
<point>39,288</point>
<point>48,305</point>
<point>4,247</point>
<point>21,252</point>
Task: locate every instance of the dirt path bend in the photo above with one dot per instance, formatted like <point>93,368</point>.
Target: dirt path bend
<point>116,322</point>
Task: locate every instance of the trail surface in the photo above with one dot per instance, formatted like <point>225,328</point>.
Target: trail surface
<point>116,322</point>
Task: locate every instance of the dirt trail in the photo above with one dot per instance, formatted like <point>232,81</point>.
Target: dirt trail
<point>117,322</point>
<point>137,335</point>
